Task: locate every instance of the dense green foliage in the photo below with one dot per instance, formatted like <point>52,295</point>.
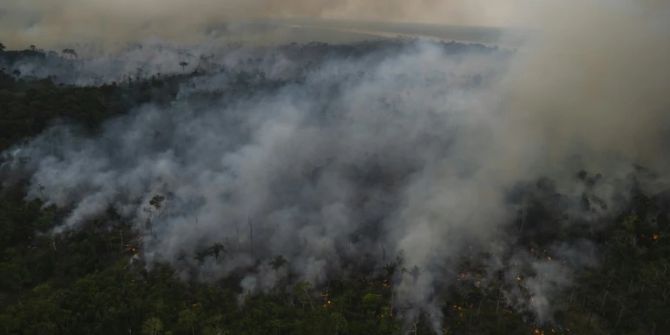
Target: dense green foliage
<point>28,106</point>
<point>85,282</point>
<point>90,282</point>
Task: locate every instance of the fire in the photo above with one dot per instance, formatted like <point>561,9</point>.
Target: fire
<point>459,310</point>
<point>326,300</point>
<point>132,249</point>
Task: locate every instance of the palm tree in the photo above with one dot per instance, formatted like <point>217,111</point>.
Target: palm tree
<point>183,65</point>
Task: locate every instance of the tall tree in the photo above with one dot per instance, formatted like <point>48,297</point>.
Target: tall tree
<point>183,65</point>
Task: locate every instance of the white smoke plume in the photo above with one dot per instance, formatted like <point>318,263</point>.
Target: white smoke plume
<point>411,150</point>
<point>151,59</point>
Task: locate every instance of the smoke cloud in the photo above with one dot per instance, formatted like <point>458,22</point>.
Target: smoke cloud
<point>115,23</point>
<point>413,151</point>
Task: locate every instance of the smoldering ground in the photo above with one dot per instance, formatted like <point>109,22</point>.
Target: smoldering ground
<point>407,149</point>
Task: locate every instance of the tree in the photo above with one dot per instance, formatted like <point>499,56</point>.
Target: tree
<point>152,326</point>
<point>188,320</point>
<point>70,53</point>
<point>183,65</point>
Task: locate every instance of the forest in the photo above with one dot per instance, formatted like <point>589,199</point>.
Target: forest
<point>94,279</point>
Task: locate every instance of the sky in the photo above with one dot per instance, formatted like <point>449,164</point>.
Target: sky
<point>61,22</point>
<point>54,23</point>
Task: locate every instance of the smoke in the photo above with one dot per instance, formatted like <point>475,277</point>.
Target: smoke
<point>138,62</point>
<point>113,24</point>
<point>594,84</point>
<point>412,150</point>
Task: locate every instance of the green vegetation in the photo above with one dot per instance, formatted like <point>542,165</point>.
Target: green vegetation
<point>28,106</point>
<point>86,282</point>
<point>89,281</point>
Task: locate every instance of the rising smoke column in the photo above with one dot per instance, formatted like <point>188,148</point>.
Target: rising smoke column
<point>359,158</point>
<point>413,153</point>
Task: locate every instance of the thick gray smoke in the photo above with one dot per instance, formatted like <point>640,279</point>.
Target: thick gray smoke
<point>390,154</point>
<point>412,151</point>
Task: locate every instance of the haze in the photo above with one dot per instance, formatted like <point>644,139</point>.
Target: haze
<point>65,22</point>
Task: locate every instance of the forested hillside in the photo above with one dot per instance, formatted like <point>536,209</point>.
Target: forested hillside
<point>95,280</point>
